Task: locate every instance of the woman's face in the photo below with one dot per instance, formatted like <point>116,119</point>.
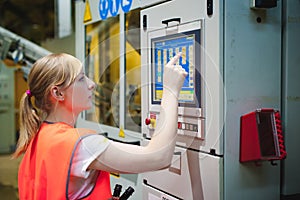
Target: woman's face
<point>78,96</point>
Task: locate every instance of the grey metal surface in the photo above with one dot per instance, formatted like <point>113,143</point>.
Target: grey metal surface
<point>291,96</point>
<point>252,75</point>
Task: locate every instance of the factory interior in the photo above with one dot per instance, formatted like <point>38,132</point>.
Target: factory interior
<point>237,135</point>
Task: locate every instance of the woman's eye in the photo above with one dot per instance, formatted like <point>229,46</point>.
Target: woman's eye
<point>82,78</point>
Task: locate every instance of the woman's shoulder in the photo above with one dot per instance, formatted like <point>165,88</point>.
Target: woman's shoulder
<point>64,130</point>
<point>84,131</point>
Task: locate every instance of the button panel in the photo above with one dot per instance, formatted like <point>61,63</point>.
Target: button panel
<point>188,126</point>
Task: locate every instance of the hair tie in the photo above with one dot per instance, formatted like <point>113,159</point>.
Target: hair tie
<point>28,92</point>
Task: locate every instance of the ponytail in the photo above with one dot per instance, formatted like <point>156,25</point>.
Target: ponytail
<point>36,104</point>
<point>29,124</point>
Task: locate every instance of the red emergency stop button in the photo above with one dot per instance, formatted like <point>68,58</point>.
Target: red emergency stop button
<point>147,121</point>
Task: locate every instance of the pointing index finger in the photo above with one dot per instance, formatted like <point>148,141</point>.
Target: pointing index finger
<point>175,59</point>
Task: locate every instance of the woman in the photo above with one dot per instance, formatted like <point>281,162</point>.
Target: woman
<point>63,162</point>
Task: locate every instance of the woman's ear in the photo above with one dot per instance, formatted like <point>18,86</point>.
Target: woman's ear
<point>56,94</point>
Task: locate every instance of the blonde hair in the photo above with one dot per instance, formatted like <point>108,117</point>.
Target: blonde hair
<point>52,70</point>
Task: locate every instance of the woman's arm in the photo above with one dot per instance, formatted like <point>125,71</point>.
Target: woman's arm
<point>126,158</point>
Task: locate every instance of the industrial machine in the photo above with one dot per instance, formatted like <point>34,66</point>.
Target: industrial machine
<point>235,53</point>
<point>17,55</point>
<point>200,137</point>
<point>237,126</point>
<point>19,50</point>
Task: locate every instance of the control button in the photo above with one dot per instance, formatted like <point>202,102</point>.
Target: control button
<point>151,122</point>
<point>179,125</point>
<point>195,128</point>
<point>147,121</point>
<point>187,127</point>
<point>183,126</point>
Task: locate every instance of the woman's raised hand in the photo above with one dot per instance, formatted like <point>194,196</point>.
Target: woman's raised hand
<point>174,75</point>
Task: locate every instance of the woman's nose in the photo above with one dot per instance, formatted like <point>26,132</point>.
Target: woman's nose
<point>92,84</point>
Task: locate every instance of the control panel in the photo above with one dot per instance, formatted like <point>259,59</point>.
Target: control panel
<point>166,43</point>
<point>187,126</point>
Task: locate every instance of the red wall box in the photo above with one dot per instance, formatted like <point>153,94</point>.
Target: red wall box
<point>261,136</point>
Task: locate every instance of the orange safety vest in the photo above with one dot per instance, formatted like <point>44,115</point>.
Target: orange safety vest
<point>45,168</point>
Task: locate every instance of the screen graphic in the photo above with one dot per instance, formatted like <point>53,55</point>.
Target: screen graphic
<point>163,49</point>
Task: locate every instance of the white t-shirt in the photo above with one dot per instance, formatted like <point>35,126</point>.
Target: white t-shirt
<point>83,180</point>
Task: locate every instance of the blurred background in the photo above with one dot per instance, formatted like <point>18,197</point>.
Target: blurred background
<point>38,22</point>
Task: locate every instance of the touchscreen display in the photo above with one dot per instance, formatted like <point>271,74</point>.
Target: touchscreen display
<point>163,49</point>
